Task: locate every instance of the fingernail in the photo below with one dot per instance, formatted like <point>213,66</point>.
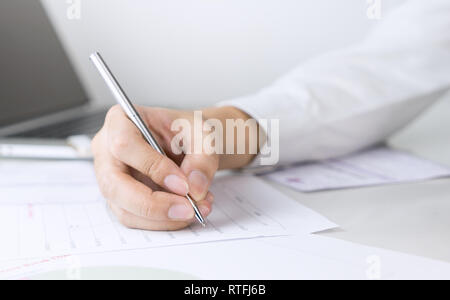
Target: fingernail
<point>198,183</point>
<point>176,185</point>
<point>204,210</point>
<point>181,212</point>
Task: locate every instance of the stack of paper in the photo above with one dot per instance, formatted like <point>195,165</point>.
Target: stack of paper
<point>49,209</point>
<point>375,167</point>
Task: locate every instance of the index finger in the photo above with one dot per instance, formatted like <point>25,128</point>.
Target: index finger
<point>127,144</point>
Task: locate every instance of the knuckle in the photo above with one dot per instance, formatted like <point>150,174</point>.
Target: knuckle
<point>147,209</point>
<point>154,166</point>
<point>148,206</point>
<point>119,145</point>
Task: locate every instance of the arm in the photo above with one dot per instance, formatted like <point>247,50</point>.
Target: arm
<point>354,98</point>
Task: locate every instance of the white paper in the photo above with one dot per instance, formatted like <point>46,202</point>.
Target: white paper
<point>374,167</point>
<point>296,257</point>
<point>49,209</point>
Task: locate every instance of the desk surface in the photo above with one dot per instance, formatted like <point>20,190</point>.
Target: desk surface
<point>410,218</point>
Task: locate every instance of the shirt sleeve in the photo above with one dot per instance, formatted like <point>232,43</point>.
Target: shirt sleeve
<point>351,99</point>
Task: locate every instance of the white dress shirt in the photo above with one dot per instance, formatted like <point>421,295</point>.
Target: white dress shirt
<point>357,97</point>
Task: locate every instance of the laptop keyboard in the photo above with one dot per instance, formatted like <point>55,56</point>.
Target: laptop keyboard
<point>89,124</point>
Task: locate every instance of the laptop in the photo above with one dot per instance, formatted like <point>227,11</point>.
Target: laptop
<point>41,96</point>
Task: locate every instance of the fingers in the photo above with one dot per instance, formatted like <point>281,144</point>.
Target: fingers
<point>131,221</point>
<point>127,145</point>
<point>120,151</point>
<point>141,201</point>
<point>200,170</point>
<point>124,191</point>
<point>151,213</point>
<point>135,222</point>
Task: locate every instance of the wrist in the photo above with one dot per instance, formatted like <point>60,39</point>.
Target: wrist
<point>235,160</point>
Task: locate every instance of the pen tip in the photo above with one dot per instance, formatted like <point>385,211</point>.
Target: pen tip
<point>201,220</point>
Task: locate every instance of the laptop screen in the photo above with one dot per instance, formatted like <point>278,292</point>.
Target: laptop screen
<point>36,76</point>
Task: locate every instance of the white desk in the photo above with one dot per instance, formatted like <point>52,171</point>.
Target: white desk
<point>410,218</point>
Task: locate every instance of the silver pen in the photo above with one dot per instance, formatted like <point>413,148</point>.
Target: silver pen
<point>133,115</point>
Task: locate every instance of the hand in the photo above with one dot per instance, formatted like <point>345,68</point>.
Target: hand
<point>146,190</point>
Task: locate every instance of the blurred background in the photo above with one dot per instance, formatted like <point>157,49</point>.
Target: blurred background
<point>194,53</point>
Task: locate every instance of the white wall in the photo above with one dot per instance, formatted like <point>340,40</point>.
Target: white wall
<point>190,53</point>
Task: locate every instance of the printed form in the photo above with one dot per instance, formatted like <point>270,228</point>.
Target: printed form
<point>49,209</point>
<point>374,167</point>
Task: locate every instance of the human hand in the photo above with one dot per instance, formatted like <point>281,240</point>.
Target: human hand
<point>131,173</point>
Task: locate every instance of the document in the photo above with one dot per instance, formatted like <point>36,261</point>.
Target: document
<point>374,167</point>
<point>292,257</point>
<point>49,209</point>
